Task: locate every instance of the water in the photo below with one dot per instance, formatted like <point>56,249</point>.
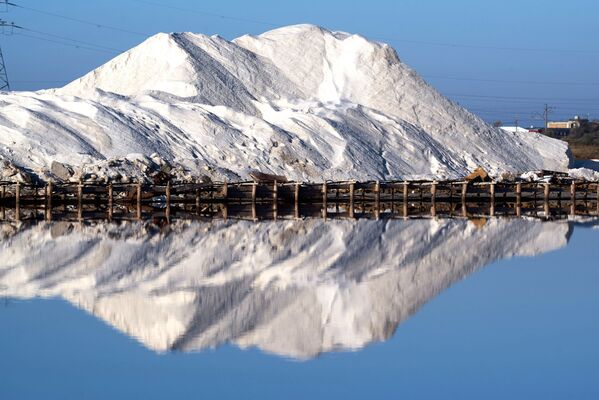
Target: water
<point>419,309</point>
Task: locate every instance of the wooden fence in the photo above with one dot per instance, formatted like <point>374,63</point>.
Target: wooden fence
<point>347,198</point>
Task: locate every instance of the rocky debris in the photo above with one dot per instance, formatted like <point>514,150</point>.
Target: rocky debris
<point>131,168</point>
<point>61,171</point>
<point>11,173</point>
<point>544,176</point>
<point>205,179</point>
<point>261,177</point>
<point>478,175</point>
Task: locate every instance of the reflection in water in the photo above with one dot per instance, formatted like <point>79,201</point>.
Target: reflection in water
<point>294,288</point>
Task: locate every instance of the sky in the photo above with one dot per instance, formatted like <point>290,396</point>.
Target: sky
<point>502,60</point>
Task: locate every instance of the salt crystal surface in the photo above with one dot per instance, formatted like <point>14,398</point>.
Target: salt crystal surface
<point>300,101</point>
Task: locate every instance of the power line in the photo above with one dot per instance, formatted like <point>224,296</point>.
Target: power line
<point>65,43</point>
<point>525,102</point>
<point>81,21</point>
<point>518,97</point>
<point>430,43</point>
<point>511,81</point>
<point>74,40</point>
<point>487,47</point>
<point>206,13</point>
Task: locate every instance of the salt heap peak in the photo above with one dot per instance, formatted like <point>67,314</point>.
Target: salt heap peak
<point>299,101</point>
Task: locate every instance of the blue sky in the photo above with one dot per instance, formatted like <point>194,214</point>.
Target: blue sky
<point>498,58</point>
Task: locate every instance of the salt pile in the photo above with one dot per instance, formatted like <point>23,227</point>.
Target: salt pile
<point>298,101</point>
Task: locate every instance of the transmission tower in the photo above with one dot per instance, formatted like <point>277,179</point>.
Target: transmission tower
<point>4,85</point>
<point>6,28</point>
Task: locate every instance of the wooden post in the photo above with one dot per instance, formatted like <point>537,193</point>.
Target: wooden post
<point>492,195</point>
<point>110,201</point>
<point>18,201</point>
<point>49,201</point>
<point>518,199</point>
<point>3,196</point>
<point>198,205</point>
<point>168,200</point>
<point>324,199</point>
<point>138,208</point>
<point>405,199</point>
<point>254,185</point>
<point>80,200</point>
<point>546,191</point>
<point>296,200</point>
<point>225,191</point>
<point>352,186</point>
<point>573,198</point>
<point>392,199</point>
<point>225,209</point>
<point>464,191</point>
<point>275,200</point>
<point>433,198</point>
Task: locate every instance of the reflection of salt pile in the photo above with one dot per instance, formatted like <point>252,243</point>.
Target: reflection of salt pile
<point>299,101</point>
<point>294,288</point>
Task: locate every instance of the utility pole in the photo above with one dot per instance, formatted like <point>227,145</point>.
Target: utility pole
<point>546,111</point>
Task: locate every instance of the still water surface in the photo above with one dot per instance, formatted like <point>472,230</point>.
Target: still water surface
<point>418,309</point>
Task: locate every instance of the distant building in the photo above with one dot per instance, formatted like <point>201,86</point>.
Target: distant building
<point>572,123</point>
<point>563,128</point>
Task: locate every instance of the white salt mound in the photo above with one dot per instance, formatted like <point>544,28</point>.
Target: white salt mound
<point>299,101</point>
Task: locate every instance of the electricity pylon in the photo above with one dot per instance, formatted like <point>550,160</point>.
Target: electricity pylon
<point>4,85</point>
<point>5,28</point>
